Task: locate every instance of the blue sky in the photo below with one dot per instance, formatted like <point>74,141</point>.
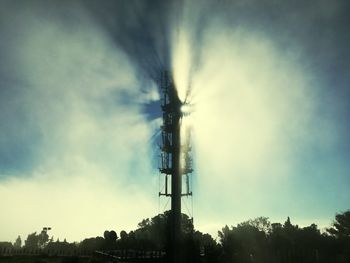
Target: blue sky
<point>78,99</point>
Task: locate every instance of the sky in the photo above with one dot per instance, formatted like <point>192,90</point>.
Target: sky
<point>80,111</point>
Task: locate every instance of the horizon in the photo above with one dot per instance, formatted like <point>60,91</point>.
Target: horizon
<point>212,230</point>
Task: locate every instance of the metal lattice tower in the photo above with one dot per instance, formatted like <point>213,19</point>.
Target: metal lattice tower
<point>176,162</point>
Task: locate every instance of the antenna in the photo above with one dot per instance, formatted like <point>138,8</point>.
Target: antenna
<point>176,161</point>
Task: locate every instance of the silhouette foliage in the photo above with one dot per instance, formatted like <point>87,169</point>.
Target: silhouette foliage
<point>254,240</point>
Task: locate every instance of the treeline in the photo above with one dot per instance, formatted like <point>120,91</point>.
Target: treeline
<point>255,240</point>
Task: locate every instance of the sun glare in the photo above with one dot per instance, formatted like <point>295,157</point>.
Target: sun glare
<point>181,64</point>
<point>186,109</point>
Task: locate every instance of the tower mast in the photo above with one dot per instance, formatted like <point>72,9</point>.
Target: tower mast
<point>171,162</point>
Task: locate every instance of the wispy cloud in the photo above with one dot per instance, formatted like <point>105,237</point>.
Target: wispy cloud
<point>259,132</point>
<point>90,161</point>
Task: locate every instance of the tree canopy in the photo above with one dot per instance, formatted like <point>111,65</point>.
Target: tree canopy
<point>341,225</point>
<point>254,240</point>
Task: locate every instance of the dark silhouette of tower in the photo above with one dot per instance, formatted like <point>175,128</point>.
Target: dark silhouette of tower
<point>175,159</point>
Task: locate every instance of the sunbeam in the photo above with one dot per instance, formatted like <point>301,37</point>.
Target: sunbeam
<point>264,93</point>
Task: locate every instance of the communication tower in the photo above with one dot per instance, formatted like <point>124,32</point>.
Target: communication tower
<point>175,160</point>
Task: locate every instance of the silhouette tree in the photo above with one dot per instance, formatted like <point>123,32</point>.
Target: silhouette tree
<point>113,235</point>
<point>228,243</point>
<point>340,230</point>
<point>18,242</point>
<point>35,241</point>
<point>43,238</point>
<point>57,247</point>
<point>206,247</point>
<point>32,241</point>
<point>341,226</point>
<point>92,244</point>
<point>154,233</point>
<point>110,239</point>
<point>262,223</point>
<point>123,235</point>
<point>106,234</point>
<point>246,242</point>
<point>254,240</point>
<point>123,241</point>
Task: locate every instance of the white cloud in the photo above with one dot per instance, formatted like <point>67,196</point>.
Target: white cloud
<point>93,153</point>
<point>255,110</point>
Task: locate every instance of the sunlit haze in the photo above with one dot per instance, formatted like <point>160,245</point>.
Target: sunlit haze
<point>267,101</point>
